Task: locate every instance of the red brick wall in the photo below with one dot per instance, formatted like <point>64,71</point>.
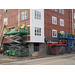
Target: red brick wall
<point>11,14</point>
<point>48,13</point>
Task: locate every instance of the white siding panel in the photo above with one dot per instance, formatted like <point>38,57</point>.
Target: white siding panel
<point>36,23</point>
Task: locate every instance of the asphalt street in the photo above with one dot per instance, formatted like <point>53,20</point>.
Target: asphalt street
<point>66,59</point>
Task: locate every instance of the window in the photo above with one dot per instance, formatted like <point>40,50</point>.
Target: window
<point>74,15</point>
<point>37,31</point>
<point>59,10</point>
<point>61,22</point>
<point>74,25</point>
<point>36,46</point>
<point>54,20</point>
<point>37,15</point>
<point>24,15</point>
<point>6,21</point>
<point>54,33</point>
<point>52,9</point>
<point>5,10</point>
<point>62,11</point>
<point>0,17</point>
<point>56,10</point>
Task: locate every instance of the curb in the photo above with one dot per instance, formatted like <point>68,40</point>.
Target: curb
<point>50,56</point>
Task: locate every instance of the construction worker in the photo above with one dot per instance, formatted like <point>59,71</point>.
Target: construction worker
<point>61,33</point>
<point>5,30</point>
<point>66,34</point>
<point>45,40</point>
<point>17,28</point>
<point>23,26</point>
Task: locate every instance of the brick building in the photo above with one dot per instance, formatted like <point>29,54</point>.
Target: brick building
<point>42,23</point>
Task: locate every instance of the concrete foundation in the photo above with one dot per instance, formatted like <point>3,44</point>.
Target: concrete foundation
<point>42,49</point>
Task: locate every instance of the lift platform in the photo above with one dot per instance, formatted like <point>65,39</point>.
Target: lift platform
<point>70,41</point>
<point>19,31</point>
<point>56,46</point>
<point>17,45</point>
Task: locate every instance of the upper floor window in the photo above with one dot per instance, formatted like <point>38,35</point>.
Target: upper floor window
<point>54,20</point>
<point>5,10</point>
<point>24,15</point>
<point>62,11</point>
<point>37,15</point>
<point>61,22</point>
<point>0,17</point>
<point>56,10</point>
<point>59,10</point>
<point>6,21</point>
<point>74,25</point>
<point>52,9</point>
<point>74,15</point>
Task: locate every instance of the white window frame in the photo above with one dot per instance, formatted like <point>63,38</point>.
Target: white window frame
<point>59,10</point>
<point>52,33</point>
<point>24,15</point>
<point>61,22</point>
<point>62,11</point>
<point>5,10</point>
<point>74,15</point>
<point>5,21</point>
<point>55,10</point>
<point>54,20</point>
<point>37,15</point>
<point>74,25</point>
<point>0,16</point>
<point>52,9</point>
<point>37,33</point>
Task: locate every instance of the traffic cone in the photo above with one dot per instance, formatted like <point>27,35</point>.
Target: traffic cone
<point>36,54</point>
<point>67,51</point>
<point>59,53</point>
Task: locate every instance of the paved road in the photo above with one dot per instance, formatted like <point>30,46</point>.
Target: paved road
<point>68,59</point>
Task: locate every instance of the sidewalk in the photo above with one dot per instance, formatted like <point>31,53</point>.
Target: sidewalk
<point>6,59</point>
<point>44,56</point>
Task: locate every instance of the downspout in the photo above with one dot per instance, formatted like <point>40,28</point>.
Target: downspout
<point>19,17</point>
<point>72,23</point>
